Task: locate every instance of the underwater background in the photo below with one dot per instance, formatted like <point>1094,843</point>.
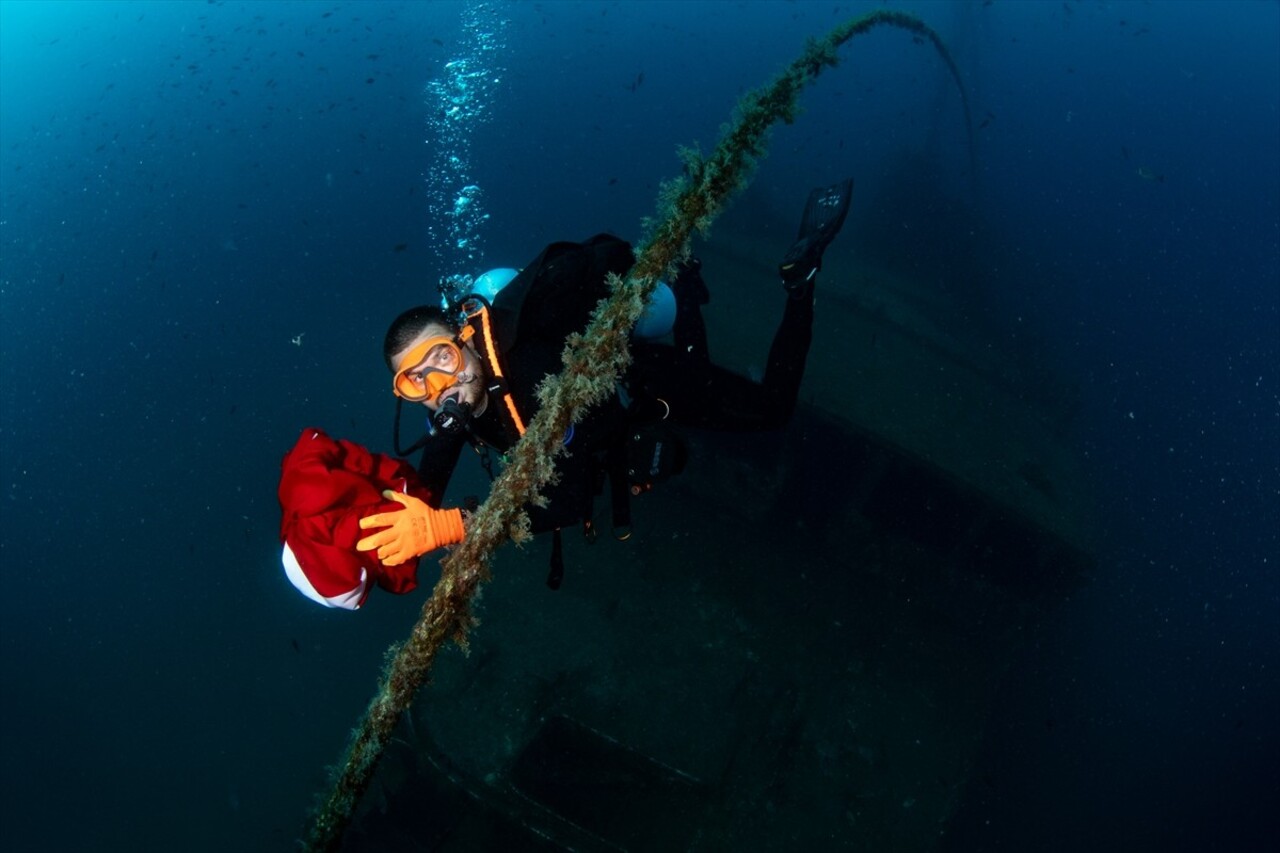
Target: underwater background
<point>210,211</point>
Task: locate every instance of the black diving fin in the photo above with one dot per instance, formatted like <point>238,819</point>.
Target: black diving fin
<point>824,214</point>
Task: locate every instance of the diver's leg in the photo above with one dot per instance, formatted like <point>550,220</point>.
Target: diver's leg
<point>706,396</point>
<point>701,394</point>
<point>824,215</point>
<point>788,354</point>
<point>690,330</point>
<point>675,379</point>
<point>731,402</point>
<point>693,391</point>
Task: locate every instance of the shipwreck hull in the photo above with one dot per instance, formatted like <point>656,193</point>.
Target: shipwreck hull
<point>799,645</point>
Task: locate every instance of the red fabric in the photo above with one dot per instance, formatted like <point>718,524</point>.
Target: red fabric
<point>326,487</point>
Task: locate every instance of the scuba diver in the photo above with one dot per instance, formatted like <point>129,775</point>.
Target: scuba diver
<point>475,363</point>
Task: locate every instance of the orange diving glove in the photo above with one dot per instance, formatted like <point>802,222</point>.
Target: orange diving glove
<point>411,532</point>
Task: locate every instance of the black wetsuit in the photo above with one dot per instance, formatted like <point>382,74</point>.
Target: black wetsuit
<point>552,298</point>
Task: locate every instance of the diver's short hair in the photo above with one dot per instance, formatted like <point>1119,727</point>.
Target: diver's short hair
<point>409,325</point>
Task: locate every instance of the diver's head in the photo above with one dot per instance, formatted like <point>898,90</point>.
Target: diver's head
<point>433,362</point>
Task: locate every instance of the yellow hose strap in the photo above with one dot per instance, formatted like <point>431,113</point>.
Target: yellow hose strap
<point>491,351</point>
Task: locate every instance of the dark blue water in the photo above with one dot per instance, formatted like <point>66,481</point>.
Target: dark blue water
<point>185,188</point>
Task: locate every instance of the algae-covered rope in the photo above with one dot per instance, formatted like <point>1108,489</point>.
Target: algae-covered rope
<point>593,361</point>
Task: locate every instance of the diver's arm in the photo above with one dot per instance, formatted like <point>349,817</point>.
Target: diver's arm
<point>439,458</point>
<point>413,530</point>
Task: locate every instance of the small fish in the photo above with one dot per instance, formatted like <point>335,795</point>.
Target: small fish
<point>437,42</point>
<point>297,648</point>
<point>612,181</point>
<point>1148,175</point>
<point>400,247</point>
<point>1125,152</point>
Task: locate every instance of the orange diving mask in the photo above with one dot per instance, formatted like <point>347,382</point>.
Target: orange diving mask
<point>431,368</point>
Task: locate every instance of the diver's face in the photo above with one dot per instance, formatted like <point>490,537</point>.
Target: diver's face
<point>469,385</point>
